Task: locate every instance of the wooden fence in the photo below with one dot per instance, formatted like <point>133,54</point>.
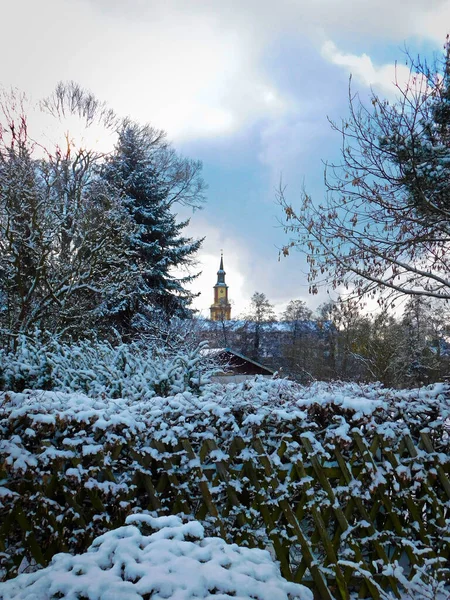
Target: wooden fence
<point>338,518</point>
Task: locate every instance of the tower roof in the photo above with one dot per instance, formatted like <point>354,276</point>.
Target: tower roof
<point>221,273</point>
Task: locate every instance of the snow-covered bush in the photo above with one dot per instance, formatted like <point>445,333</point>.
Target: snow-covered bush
<point>176,560</point>
<point>134,371</point>
<point>73,467</point>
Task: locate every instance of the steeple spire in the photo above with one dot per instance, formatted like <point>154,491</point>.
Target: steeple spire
<point>221,273</point>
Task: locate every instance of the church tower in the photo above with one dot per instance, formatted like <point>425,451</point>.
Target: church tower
<point>221,309</point>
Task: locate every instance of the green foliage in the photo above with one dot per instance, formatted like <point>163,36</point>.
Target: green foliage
<point>133,371</point>
<point>356,494</point>
<point>89,241</point>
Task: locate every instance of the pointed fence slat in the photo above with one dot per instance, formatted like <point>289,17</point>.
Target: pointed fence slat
<point>358,503</point>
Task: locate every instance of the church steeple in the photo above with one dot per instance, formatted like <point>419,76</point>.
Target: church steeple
<point>221,309</point>
<point>221,273</point>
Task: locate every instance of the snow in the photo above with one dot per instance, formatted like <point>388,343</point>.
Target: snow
<point>272,408</point>
<point>273,326</point>
<point>175,561</point>
<point>133,371</point>
<point>80,438</point>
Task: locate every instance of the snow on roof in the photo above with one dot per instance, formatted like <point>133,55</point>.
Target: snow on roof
<point>250,360</point>
<point>211,351</point>
<point>175,561</point>
<point>270,326</point>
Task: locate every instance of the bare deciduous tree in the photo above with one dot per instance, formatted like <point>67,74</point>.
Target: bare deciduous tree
<point>63,234</point>
<point>384,227</point>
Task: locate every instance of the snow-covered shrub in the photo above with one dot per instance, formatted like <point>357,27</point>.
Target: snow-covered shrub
<point>73,467</point>
<point>175,560</point>
<point>132,371</point>
<point>27,366</point>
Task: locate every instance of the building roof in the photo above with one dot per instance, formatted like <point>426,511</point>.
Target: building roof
<point>221,273</point>
<point>250,360</point>
<point>221,352</point>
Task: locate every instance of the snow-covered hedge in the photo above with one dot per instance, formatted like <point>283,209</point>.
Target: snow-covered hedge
<point>135,371</point>
<point>176,560</point>
<point>72,467</point>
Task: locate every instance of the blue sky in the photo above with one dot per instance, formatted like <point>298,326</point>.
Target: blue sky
<point>245,86</point>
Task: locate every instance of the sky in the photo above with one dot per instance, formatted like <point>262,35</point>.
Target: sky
<point>245,86</point>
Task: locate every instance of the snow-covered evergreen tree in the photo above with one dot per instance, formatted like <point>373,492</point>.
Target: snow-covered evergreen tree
<point>424,330</point>
<point>23,243</point>
<point>150,178</point>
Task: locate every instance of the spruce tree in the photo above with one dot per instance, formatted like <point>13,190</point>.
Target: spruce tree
<point>143,169</point>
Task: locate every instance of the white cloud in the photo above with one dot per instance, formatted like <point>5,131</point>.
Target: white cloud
<point>383,77</point>
<point>434,22</point>
<point>182,70</point>
<point>194,69</point>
